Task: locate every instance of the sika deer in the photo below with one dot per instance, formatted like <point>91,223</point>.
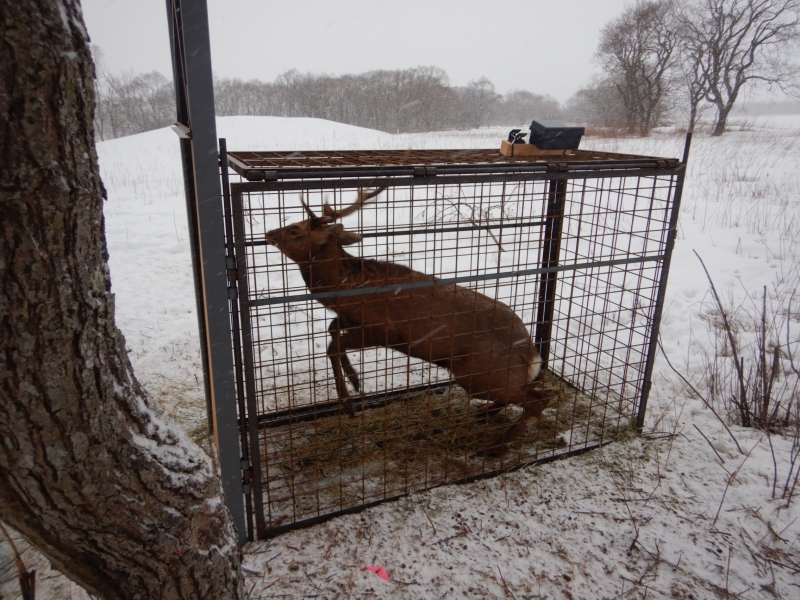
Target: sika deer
<point>481,341</point>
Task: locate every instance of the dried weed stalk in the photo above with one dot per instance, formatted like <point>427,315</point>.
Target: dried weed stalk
<point>27,579</point>
<point>750,378</point>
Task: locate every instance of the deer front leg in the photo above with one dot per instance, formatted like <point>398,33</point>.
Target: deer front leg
<point>350,371</point>
<point>338,357</point>
<point>535,403</point>
<point>346,342</point>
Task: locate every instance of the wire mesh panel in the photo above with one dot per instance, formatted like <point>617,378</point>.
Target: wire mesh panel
<point>442,382</point>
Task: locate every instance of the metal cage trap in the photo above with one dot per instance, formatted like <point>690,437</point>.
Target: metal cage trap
<point>577,246</point>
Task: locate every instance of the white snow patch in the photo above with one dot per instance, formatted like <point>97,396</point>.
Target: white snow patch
<point>634,519</point>
<point>563,527</point>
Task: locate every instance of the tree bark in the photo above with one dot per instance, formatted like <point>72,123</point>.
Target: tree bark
<point>722,119</point>
<point>692,115</point>
<point>90,472</point>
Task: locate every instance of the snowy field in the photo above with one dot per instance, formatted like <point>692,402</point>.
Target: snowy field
<point>677,513</point>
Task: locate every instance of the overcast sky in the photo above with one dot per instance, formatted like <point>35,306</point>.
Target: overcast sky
<point>545,46</point>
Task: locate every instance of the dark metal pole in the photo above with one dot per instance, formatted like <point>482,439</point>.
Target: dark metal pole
<point>191,206</point>
<point>233,296</point>
<point>662,285</point>
<point>191,52</point>
<point>251,420</point>
<point>556,195</point>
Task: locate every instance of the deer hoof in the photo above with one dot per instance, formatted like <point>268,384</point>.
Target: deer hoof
<point>347,408</point>
<point>486,414</point>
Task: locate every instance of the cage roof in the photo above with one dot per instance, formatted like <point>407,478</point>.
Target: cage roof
<point>265,166</point>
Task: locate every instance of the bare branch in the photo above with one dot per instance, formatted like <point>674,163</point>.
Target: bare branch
<point>741,42</point>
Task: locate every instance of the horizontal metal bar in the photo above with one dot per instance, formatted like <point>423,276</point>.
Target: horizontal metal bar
<point>312,412</point>
<point>330,408</point>
<point>376,234</point>
<point>374,181</point>
<point>454,157</point>
<point>444,170</point>
<point>304,165</point>
<point>449,281</point>
<point>236,164</point>
<point>271,532</point>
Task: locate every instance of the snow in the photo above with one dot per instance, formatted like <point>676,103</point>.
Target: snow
<point>661,514</point>
<point>566,529</point>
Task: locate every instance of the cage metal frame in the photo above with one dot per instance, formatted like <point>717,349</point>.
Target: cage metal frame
<point>282,172</point>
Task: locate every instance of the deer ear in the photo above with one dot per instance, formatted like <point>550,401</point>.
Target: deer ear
<point>346,238</point>
<point>335,228</point>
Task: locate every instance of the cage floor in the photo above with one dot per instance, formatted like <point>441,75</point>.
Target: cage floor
<point>416,442</point>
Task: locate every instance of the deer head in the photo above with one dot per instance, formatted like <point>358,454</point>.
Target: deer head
<point>305,240</point>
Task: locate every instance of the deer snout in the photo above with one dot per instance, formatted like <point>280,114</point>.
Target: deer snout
<point>272,237</point>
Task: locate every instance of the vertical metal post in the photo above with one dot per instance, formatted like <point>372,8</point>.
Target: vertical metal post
<point>662,285</point>
<point>191,52</point>
<point>556,196</point>
<point>233,296</point>
<point>191,205</point>
<point>249,362</point>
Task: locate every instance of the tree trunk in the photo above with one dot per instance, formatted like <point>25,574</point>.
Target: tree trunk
<point>722,120</point>
<point>90,472</point>
<point>692,115</point>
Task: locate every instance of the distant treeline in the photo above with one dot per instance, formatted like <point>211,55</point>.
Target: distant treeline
<point>403,100</point>
<point>660,61</point>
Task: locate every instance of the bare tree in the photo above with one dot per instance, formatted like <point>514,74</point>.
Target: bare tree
<point>128,103</point>
<point>598,103</point>
<point>519,107</point>
<point>426,97</point>
<point>137,103</point>
<point>415,99</point>
<point>691,57</point>
<point>743,42</point>
<point>91,472</point>
<point>637,51</point>
<point>479,101</point>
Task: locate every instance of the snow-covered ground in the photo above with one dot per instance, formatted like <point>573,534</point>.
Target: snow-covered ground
<point>669,514</point>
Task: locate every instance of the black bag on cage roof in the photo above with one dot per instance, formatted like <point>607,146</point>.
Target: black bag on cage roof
<point>553,134</point>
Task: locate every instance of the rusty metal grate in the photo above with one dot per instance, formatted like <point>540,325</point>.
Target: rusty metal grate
<point>578,253</point>
<point>258,166</point>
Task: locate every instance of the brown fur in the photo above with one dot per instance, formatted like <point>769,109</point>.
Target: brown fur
<point>481,341</point>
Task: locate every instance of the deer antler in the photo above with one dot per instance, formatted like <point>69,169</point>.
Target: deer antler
<point>308,210</point>
<point>363,196</point>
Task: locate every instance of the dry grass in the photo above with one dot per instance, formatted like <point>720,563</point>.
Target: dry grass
<point>418,442</point>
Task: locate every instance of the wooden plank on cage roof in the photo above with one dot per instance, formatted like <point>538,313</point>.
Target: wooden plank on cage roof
<point>509,149</point>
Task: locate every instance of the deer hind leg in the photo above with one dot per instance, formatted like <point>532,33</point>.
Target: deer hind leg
<point>488,410</point>
<point>535,403</point>
<point>337,355</point>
